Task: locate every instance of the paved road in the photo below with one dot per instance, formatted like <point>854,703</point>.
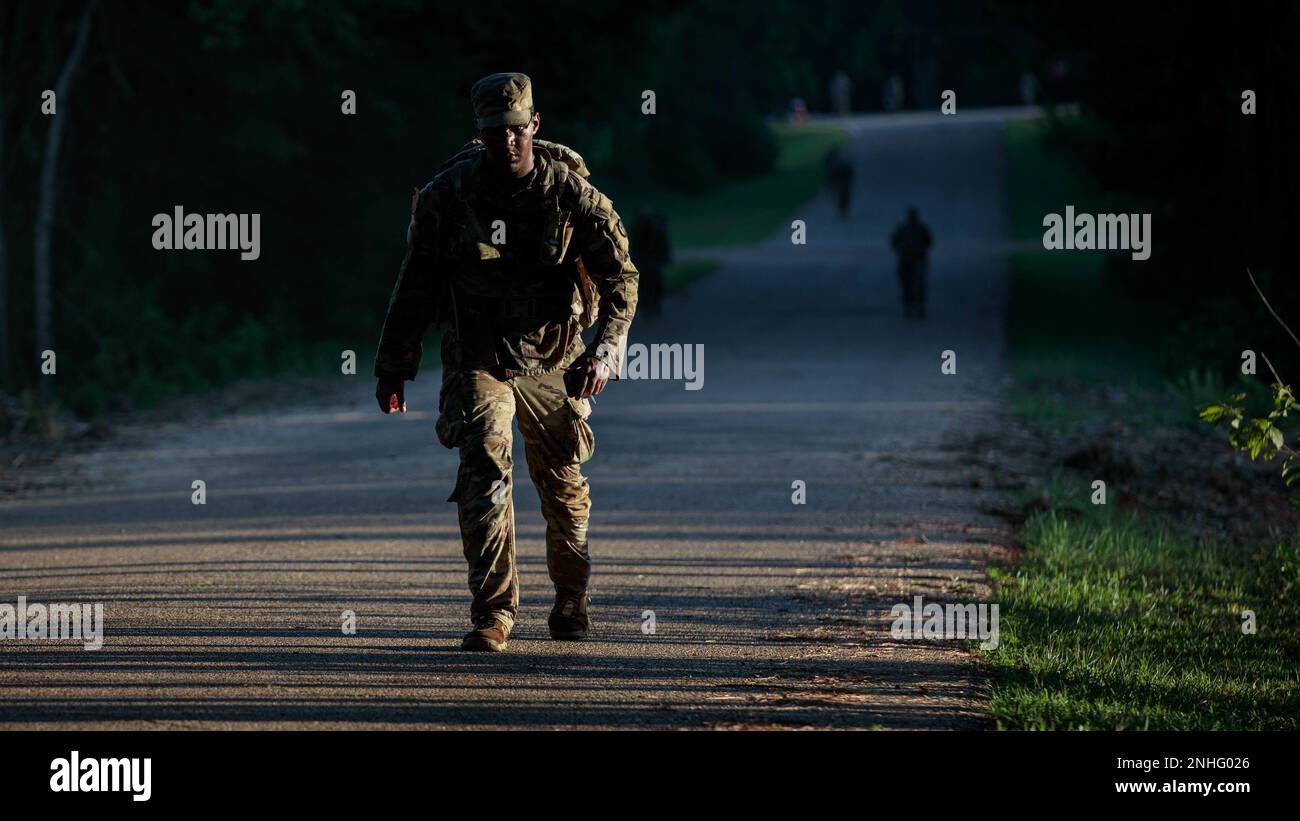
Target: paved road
<point>767,613</point>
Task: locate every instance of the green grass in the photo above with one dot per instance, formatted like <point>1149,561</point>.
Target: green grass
<point>1066,322</point>
<point>1069,326</point>
<point>739,212</point>
<point>1041,181</point>
<point>1110,622</point>
<point>680,274</point>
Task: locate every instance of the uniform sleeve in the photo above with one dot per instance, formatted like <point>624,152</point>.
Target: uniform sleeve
<point>604,249</point>
<point>411,306</point>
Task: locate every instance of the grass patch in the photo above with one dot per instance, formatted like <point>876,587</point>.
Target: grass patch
<point>1067,319</point>
<point>1040,181</point>
<point>678,275</point>
<point>1112,623</point>
<point>740,212</point>
<point>1072,331</point>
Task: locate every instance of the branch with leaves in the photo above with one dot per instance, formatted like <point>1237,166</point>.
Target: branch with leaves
<point>1261,436</point>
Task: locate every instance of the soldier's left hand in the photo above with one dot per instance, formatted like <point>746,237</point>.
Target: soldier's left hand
<point>595,375</point>
<point>391,395</point>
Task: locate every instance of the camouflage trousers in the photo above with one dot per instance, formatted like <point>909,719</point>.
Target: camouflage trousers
<point>475,415</point>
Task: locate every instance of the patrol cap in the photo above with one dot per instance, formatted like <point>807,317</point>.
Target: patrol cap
<point>502,99</point>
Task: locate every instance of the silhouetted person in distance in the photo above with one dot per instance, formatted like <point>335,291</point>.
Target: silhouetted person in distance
<point>1028,88</point>
<point>891,92</point>
<point>911,241</point>
<point>839,175</point>
<point>653,253</point>
<point>842,94</point>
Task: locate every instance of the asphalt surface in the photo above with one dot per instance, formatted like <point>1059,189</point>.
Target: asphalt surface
<point>766,613</point>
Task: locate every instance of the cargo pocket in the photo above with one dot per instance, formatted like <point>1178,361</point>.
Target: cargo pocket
<point>582,440</point>
<point>451,417</point>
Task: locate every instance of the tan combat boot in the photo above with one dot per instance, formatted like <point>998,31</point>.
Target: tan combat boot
<point>489,635</point>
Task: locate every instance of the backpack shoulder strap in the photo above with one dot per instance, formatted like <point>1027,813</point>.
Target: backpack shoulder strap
<point>563,156</point>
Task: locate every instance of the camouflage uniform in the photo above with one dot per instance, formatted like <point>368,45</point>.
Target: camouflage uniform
<point>513,313</point>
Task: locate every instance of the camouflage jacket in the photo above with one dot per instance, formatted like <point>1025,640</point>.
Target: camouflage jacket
<point>504,272</point>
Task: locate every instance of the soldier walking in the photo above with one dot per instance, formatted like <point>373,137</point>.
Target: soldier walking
<point>911,241</point>
<point>839,174</point>
<point>514,253</point>
<point>842,93</point>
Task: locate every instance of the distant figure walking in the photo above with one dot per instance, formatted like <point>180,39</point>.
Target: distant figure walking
<point>891,92</point>
<point>911,240</point>
<point>839,174</point>
<point>842,94</point>
<point>653,253</point>
<point>1028,88</point>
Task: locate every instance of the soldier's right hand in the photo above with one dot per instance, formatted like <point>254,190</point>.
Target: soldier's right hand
<point>391,395</point>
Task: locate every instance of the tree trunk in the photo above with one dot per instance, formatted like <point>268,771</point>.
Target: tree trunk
<point>47,194</point>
